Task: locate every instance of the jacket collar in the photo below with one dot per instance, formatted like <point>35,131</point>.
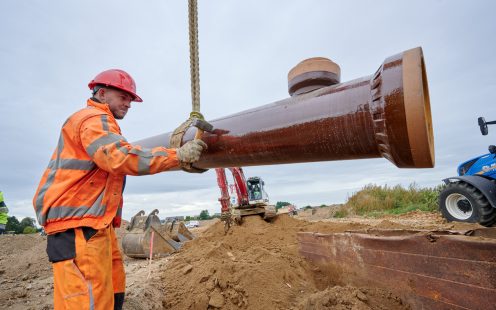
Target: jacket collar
<point>93,102</point>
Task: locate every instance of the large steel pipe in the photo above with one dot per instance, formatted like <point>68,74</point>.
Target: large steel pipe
<point>385,115</point>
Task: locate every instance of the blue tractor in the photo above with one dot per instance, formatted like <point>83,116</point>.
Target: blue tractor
<point>471,196</point>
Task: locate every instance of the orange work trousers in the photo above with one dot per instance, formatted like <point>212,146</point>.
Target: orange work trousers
<point>90,280</point>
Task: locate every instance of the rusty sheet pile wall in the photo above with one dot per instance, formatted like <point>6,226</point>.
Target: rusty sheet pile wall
<point>429,269</point>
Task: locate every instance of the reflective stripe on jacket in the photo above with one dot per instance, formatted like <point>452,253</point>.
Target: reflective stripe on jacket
<point>83,183</point>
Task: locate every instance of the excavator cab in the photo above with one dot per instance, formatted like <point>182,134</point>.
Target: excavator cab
<point>256,192</point>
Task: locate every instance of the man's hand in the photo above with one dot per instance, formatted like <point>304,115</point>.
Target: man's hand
<point>190,152</point>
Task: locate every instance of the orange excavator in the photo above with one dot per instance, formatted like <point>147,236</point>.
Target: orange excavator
<point>251,197</point>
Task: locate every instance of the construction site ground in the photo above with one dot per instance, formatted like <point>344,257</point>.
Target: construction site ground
<point>253,266</point>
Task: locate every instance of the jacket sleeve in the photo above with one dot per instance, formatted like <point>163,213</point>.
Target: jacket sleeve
<point>111,152</point>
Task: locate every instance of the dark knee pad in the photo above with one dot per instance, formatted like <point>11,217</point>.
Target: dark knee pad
<point>118,301</point>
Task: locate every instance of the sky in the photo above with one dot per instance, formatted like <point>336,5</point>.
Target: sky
<point>50,50</point>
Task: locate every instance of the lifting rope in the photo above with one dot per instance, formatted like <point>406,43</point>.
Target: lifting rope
<point>194,61</point>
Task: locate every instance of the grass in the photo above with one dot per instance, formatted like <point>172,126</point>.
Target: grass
<point>375,200</point>
<point>340,213</point>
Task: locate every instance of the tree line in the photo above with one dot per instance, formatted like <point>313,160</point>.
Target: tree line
<point>25,226</point>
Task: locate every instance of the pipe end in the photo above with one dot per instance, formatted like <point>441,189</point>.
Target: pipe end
<point>403,120</point>
<point>418,109</point>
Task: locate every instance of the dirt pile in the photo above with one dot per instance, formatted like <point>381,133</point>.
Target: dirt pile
<point>257,266</point>
<point>25,273</point>
<point>315,214</point>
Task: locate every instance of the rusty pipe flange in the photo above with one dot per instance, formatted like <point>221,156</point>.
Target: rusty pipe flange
<point>312,74</point>
<point>401,111</point>
<point>418,108</point>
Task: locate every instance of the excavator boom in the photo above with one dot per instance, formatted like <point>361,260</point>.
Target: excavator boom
<point>222,182</point>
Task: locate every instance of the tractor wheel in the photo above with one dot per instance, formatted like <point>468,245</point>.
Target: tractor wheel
<point>462,202</point>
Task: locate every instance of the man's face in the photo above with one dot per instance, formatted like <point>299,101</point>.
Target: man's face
<point>118,101</point>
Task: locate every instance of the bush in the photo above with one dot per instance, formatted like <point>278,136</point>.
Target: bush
<point>29,230</point>
<point>340,213</point>
<point>376,200</point>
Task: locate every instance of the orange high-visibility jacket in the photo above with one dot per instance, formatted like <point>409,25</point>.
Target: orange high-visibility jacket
<point>83,183</point>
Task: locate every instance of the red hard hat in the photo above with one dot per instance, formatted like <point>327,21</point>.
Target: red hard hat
<point>116,78</point>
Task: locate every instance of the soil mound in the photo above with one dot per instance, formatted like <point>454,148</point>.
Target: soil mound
<point>255,266</point>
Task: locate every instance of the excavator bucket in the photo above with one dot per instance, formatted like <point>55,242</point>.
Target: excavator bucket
<point>167,237</point>
<point>177,231</point>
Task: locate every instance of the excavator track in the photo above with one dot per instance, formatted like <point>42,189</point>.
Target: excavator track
<point>270,213</point>
<point>267,212</point>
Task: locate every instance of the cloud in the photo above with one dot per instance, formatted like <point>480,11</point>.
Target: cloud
<point>172,203</point>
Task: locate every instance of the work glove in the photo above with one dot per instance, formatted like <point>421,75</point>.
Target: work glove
<point>190,152</point>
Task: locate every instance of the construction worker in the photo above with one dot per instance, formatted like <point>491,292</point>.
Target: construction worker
<point>257,194</point>
<point>79,199</point>
<point>4,217</point>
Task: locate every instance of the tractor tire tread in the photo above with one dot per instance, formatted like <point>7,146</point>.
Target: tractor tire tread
<point>486,211</point>
<point>488,222</point>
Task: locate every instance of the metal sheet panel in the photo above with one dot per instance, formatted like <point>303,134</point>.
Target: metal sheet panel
<point>430,270</point>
